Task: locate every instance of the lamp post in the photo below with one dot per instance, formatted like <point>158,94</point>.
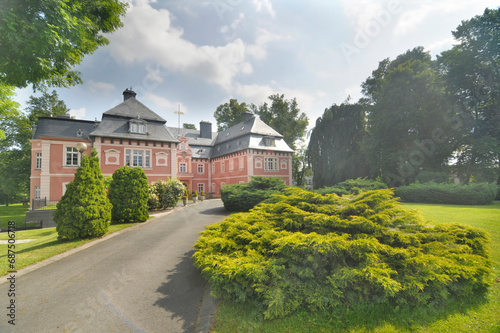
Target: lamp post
<point>81,147</point>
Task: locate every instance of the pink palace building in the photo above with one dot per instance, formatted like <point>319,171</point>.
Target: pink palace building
<point>132,134</point>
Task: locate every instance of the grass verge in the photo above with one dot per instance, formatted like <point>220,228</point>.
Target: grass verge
<point>471,315</point>
<point>14,212</point>
<point>44,245</point>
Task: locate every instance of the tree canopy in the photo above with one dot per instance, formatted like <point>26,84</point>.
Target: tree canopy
<point>472,73</point>
<point>15,148</point>
<point>43,39</point>
<point>285,117</point>
<point>230,114</point>
<point>409,127</point>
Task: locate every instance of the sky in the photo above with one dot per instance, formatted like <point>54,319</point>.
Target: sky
<point>194,55</point>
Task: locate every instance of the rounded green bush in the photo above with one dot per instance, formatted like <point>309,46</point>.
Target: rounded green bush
<point>128,193</point>
<point>318,252</point>
<point>243,197</point>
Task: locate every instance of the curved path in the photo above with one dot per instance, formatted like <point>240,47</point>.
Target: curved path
<point>142,280</point>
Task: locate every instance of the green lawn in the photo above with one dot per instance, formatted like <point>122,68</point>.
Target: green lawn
<point>44,245</point>
<point>466,315</point>
<point>14,212</point>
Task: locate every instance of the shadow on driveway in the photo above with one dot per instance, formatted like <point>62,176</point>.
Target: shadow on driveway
<point>221,211</point>
<point>183,292</point>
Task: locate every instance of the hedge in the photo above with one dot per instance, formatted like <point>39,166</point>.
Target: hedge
<point>471,194</point>
<point>353,186</point>
<point>318,252</point>
<point>243,197</point>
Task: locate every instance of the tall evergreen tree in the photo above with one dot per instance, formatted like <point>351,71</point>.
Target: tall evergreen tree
<point>334,148</point>
<point>84,210</point>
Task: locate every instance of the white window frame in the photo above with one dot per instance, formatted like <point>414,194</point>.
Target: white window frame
<point>201,168</point>
<point>231,165</point>
<point>71,153</point>
<point>201,188</point>
<point>137,127</point>
<point>38,192</point>
<point>138,158</point>
<point>38,161</point>
<point>271,164</point>
<point>222,166</point>
<point>241,163</point>
<point>182,166</point>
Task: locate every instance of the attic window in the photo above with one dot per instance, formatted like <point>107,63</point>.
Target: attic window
<point>79,133</point>
<point>269,141</point>
<point>137,126</point>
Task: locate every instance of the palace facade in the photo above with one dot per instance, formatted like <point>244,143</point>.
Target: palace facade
<point>132,134</point>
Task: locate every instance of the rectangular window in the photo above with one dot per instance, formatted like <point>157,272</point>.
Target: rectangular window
<point>231,165</point>
<point>271,164</point>
<point>201,168</point>
<point>71,156</point>
<point>201,188</point>
<point>38,163</point>
<point>38,192</point>
<point>213,167</point>
<point>240,163</point>
<point>214,189</point>
<point>138,158</point>
<point>182,168</point>
<point>222,166</point>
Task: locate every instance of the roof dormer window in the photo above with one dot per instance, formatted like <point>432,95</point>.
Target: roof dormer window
<point>269,141</point>
<point>137,126</point>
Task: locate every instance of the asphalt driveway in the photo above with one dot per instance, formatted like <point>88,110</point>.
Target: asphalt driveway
<point>142,280</point>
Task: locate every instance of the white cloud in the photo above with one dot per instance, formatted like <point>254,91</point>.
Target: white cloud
<point>165,103</point>
<point>78,113</point>
<point>264,37</point>
<point>149,36</point>
<point>100,87</point>
<point>362,12</point>
<point>264,5</point>
<point>441,45</point>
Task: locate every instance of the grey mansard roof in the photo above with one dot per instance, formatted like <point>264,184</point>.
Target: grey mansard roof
<point>115,123</point>
<point>249,134</point>
<point>64,128</point>
<point>132,108</point>
<point>251,126</point>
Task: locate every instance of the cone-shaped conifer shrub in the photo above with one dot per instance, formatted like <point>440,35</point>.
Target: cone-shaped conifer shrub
<point>129,193</point>
<point>84,210</point>
<point>302,249</point>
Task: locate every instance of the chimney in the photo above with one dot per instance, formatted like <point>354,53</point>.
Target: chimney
<point>128,93</point>
<point>248,116</point>
<point>205,129</point>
